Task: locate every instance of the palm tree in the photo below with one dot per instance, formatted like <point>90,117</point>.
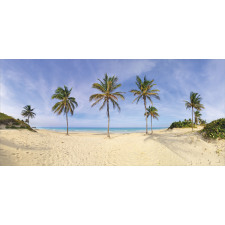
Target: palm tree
<point>145,92</point>
<point>28,112</point>
<point>197,116</point>
<point>153,112</point>
<point>202,122</point>
<point>194,103</point>
<point>66,104</point>
<point>107,86</point>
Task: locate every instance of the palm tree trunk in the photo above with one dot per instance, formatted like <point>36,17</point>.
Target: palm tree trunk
<point>146,117</point>
<point>108,117</point>
<point>192,119</point>
<point>151,124</point>
<point>67,123</point>
<point>28,120</point>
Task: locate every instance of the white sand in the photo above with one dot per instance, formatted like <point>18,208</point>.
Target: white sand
<point>48,148</point>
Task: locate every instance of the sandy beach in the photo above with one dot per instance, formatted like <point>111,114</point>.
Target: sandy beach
<point>177,147</point>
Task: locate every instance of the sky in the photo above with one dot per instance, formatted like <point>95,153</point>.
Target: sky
<point>32,82</point>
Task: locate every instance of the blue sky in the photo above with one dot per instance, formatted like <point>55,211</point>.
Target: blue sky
<point>33,82</point>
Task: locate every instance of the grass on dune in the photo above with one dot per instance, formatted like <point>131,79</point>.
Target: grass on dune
<point>11,123</point>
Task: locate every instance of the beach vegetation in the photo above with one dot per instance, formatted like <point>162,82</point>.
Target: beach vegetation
<point>28,113</point>
<point>181,124</point>
<point>66,105</point>
<point>153,112</point>
<point>194,103</point>
<point>202,122</point>
<point>5,119</point>
<point>214,130</point>
<point>108,94</point>
<point>10,123</point>
<point>145,92</point>
<point>197,117</point>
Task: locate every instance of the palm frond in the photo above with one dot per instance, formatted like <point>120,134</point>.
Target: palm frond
<point>115,104</point>
<point>149,98</point>
<point>96,102</point>
<point>96,96</point>
<point>99,87</point>
<point>137,99</point>
<point>106,87</point>
<point>195,100</point>
<point>28,112</point>
<point>119,94</point>
<point>136,92</point>
<point>152,111</point>
<point>72,100</point>
<point>67,103</point>
<point>188,104</point>
<point>103,105</point>
<point>145,90</point>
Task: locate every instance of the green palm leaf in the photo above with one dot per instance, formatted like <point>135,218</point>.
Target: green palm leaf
<point>194,103</point>
<point>28,112</point>
<point>66,104</point>
<point>145,92</point>
<point>107,86</point>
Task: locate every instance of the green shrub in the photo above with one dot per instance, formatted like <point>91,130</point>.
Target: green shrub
<point>181,124</point>
<point>12,127</point>
<point>215,129</point>
<point>12,123</point>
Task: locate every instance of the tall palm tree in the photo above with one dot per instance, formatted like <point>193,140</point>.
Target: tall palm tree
<point>28,112</point>
<point>153,112</point>
<point>145,92</point>
<point>197,116</point>
<point>195,103</point>
<point>66,104</point>
<point>107,94</point>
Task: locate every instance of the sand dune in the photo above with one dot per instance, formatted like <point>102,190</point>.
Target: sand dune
<point>47,148</point>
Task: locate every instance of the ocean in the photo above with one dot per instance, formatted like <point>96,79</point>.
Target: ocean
<point>101,130</point>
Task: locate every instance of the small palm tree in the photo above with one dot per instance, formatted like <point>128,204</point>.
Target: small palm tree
<point>28,112</point>
<point>145,92</point>
<point>107,86</point>
<point>195,103</point>
<point>202,122</point>
<point>197,116</point>
<point>66,104</point>
<point>153,112</point>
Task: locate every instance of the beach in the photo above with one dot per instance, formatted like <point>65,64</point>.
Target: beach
<point>177,147</point>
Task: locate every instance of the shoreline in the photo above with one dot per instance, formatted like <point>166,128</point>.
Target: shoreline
<point>177,147</point>
<point>96,132</point>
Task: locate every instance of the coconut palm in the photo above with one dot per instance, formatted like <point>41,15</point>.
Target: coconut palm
<point>145,92</point>
<point>66,104</point>
<point>195,103</point>
<point>28,112</point>
<point>197,116</point>
<point>107,94</point>
<point>153,112</point>
<point>202,122</point>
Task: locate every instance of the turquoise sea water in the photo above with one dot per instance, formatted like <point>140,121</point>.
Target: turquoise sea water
<point>100,130</point>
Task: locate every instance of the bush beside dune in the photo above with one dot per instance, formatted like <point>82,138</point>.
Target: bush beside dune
<point>215,129</point>
<point>181,124</point>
